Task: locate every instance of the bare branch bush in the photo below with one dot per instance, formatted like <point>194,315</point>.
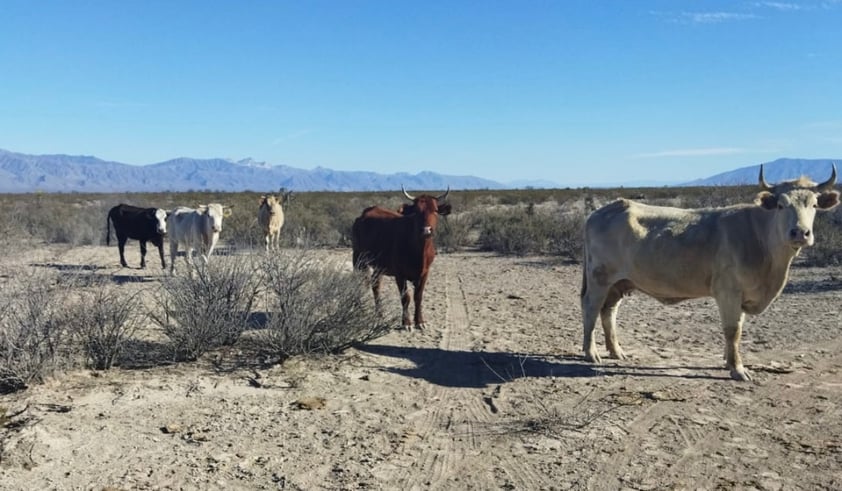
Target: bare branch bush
<point>316,306</point>
<point>103,320</point>
<point>33,330</point>
<point>209,308</point>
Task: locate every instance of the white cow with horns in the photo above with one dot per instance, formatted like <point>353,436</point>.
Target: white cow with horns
<point>740,255</point>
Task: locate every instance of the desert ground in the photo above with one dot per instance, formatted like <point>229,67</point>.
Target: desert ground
<point>494,394</point>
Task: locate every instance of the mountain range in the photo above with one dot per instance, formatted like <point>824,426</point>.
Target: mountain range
<point>778,170</point>
<point>20,173</point>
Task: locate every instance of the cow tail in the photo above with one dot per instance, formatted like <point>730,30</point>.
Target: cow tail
<point>108,229</point>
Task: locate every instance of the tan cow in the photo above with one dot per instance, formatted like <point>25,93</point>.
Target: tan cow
<point>270,217</point>
<point>739,255</point>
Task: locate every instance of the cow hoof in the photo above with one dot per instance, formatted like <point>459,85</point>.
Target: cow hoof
<point>593,357</point>
<point>421,326</point>
<point>618,355</point>
<point>740,375</point>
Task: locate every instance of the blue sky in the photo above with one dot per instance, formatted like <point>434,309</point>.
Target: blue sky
<point>575,92</point>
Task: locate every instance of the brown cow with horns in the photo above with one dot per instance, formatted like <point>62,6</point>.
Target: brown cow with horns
<point>739,255</point>
<point>399,244</point>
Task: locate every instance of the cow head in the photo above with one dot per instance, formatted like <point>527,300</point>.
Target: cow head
<point>795,203</point>
<point>268,202</point>
<point>427,208</point>
<point>213,214</point>
<point>159,218</point>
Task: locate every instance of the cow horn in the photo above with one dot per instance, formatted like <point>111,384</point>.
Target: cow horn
<point>408,196</point>
<point>444,196</point>
<point>762,181</point>
<point>830,183</point>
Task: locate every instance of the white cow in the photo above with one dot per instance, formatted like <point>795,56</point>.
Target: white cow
<point>739,255</point>
<point>195,229</point>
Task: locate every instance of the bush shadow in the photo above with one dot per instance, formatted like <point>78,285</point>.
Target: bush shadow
<point>138,354</point>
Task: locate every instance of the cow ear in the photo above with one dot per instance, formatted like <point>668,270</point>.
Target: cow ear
<point>226,211</point>
<point>828,200</point>
<point>766,200</point>
<point>444,209</point>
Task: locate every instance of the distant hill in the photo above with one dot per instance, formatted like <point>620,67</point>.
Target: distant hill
<point>775,171</point>
<point>21,173</point>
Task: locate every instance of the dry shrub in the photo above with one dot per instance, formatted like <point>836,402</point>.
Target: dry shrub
<point>33,331</point>
<point>209,308</point>
<point>103,320</point>
<point>827,250</point>
<point>316,306</point>
<point>524,230</point>
<point>454,232</point>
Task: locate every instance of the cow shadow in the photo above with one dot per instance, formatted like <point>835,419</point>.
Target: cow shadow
<point>479,369</point>
<point>70,268</point>
<point>476,369</point>
<point>92,273</point>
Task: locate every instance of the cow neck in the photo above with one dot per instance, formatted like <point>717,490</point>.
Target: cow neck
<point>779,252</point>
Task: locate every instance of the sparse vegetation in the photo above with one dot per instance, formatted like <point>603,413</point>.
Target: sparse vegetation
<point>43,327</point>
<point>33,331</point>
<point>208,308</point>
<point>316,307</point>
<point>103,319</point>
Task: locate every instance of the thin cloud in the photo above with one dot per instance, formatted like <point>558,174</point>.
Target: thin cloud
<point>715,17</point>
<point>781,6</point>
<point>691,152</point>
<point>703,17</point>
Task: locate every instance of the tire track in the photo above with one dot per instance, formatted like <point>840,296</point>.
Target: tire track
<point>715,445</point>
<point>446,438</point>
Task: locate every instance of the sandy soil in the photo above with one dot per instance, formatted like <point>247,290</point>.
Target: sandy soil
<point>495,395</point>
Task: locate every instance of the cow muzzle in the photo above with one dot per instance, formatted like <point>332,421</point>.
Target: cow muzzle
<point>427,231</point>
<point>799,237</point>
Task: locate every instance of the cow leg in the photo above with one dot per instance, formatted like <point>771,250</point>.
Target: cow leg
<point>404,294</point>
<point>267,240</point>
<point>418,296</point>
<point>189,258</point>
<point>142,254</point>
<point>161,253</point>
<point>121,246</point>
<point>608,314</point>
<point>173,255</point>
<point>375,290</point>
<point>732,316</point>
<point>593,300</point>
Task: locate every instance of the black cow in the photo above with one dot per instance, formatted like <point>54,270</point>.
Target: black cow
<point>141,224</point>
<point>399,244</point>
